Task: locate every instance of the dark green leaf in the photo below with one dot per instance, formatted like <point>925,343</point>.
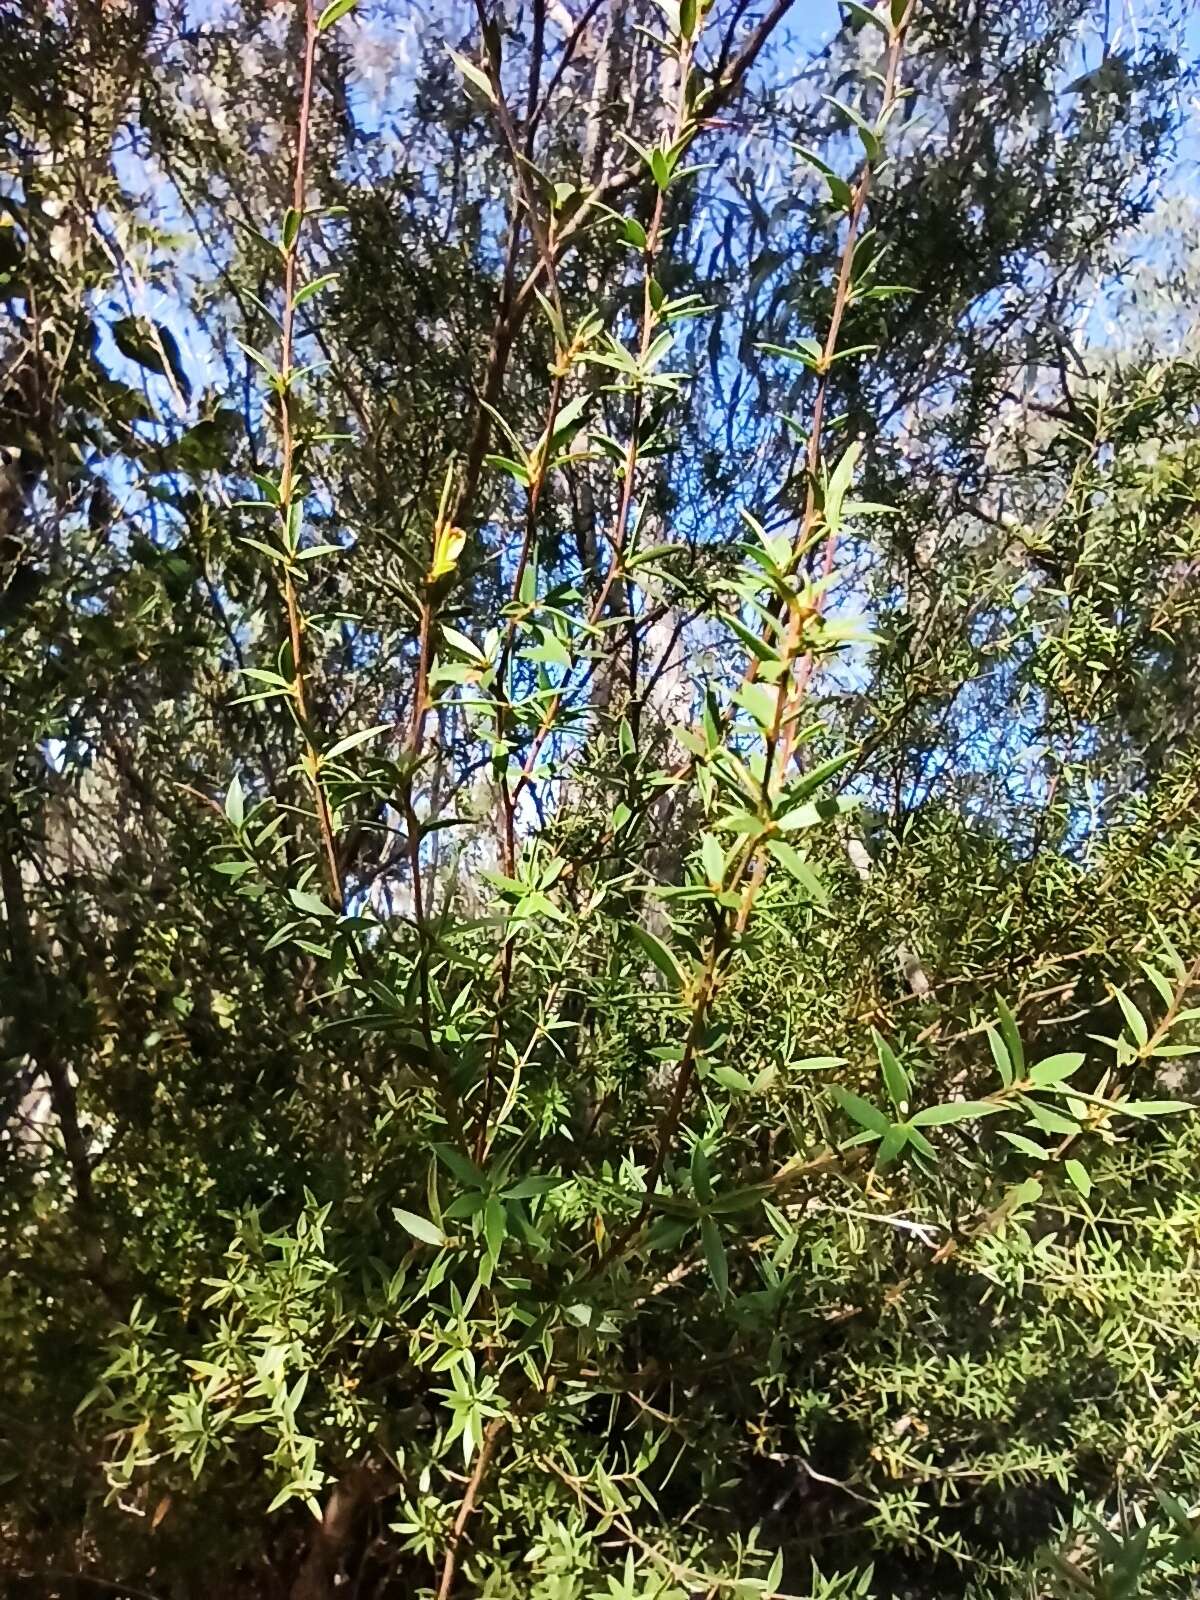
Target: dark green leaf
<point>659,954</point>
<point>714,1255</point>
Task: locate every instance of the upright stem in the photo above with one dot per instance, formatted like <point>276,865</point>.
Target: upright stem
<point>780,737</point>
<point>510,795</point>
<point>515,307</point>
<point>288,510</point>
<point>813,454</point>
<point>491,1437</point>
<point>620,533</point>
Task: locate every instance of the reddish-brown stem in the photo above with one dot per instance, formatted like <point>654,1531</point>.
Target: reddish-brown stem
<point>629,473</point>
<point>813,452</point>
<point>672,1115</point>
<point>780,739</point>
<point>416,735</point>
<point>673,1111</point>
<point>287,475</point>
<point>491,1437</point>
<point>514,308</point>
<point>508,820</point>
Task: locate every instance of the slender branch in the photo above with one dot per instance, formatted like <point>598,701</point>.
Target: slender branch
<point>752,865</point>
<point>781,737</point>
<point>491,1437</point>
<point>515,307</point>
<point>289,510</point>
<point>441,566</point>
<point>568,55</point>
<point>649,323</point>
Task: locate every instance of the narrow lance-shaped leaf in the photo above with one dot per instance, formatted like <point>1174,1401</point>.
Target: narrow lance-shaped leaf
<point>714,1255</point>
<point>420,1227</point>
<point>659,954</point>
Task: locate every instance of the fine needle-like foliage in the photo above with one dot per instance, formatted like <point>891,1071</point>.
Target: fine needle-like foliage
<point>598,794</point>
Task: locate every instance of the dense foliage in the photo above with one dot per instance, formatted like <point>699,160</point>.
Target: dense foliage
<point>599,850</point>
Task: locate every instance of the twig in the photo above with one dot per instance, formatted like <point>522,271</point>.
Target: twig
<point>491,1437</point>
<point>288,522</point>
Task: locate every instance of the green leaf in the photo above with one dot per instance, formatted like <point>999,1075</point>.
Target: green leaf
<point>1049,1120</point>
<point>807,816</point>
<point>1160,981</point>
<point>818,775</point>
<point>1134,1020</point>
<point>260,675</point>
<point>895,1078</point>
<point>1055,1068</point>
<point>463,1168</point>
<point>775,1573</point>
<point>714,1255</point>
<point>860,1110</point>
<point>892,1144</point>
<point>659,954</point>
<point>352,740</point>
<point>795,864</point>
<point>712,858</point>
<point>687,18</point>
<point>731,1078</point>
<point>569,417</point>
<point>840,193</point>
<point>806,351</point>
<point>420,1227</point>
<point>334,12</point>
<point>759,701</point>
<point>529,1188</point>
<point>473,75</point>
<point>1026,1193</point>
<point>495,1226</point>
<point>872,148</point>
<point>311,903</point>
<point>464,645</point>
<point>1079,1176</point>
<point>515,469</point>
<point>864,14</point>
<point>235,802</point>
<point>1011,1036</point>
<point>313,287</point>
<point>1154,1108</point>
<point>839,482</point>
<point>1027,1147</point>
<point>701,1178</point>
<point>1000,1056</point>
<point>954,1111</point>
<point>759,648</point>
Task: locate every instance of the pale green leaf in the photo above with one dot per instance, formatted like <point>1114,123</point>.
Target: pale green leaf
<point>420,1227</point>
